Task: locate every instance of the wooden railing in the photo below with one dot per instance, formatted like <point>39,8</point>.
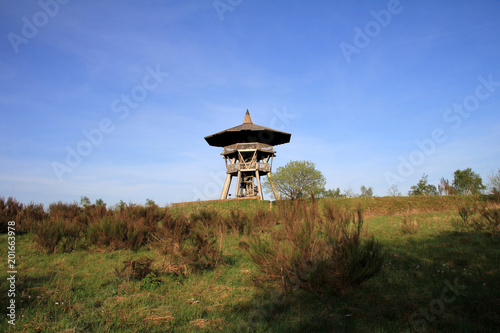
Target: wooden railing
<point>261,166</point>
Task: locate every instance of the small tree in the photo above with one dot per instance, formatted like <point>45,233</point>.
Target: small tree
<point>332,193</point>
<point>85,201</point>
<point>445,188</point>
<point>394,191</point>
<point>423,188</point>
<point>150,203</point>
<point>297,179</point>
<point>100,203</point>
<point>467,182</point>
<point>120,205</point>
<point>494,181</point>
<point>366,192</point>
<point>349,192</point>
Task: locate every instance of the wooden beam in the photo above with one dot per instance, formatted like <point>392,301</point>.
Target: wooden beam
<point>259,188</point>
<point>225,189</point>
<point>238,185</point>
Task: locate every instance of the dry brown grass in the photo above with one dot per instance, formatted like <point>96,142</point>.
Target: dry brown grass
<point>409,224</point>
<point>202,324</point>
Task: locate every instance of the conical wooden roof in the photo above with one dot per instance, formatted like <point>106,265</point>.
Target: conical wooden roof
<point>248,132</point>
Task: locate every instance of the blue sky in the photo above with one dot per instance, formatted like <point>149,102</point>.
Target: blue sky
<point>112,99</point>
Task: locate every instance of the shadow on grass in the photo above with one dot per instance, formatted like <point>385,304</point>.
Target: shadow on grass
<point>445,283</point>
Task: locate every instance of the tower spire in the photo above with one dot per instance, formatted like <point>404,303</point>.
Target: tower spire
<point>247,119</point>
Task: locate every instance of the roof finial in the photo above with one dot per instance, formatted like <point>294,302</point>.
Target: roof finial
<point>247,119</point>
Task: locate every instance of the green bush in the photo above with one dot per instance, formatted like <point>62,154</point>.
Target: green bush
<point>150,282</point>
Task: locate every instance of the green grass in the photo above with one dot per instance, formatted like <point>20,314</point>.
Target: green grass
<point>80,291</point>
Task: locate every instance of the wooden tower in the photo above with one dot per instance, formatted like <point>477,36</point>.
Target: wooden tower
<point>248,153</point>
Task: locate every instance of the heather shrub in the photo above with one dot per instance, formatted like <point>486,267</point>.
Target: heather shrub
<point>150,216</point>
<point>62,229</point>
<point>31,216</point>
<point>94,212</point>
<point>263,220</point>
<point>206,216</point>
<point>237,221</point>
<point>478,217</point>
<point>117,232</point>
<point>317,251</point>
<point>69,212</point>
<point>129,227</point>
<point>58,236</point>
<point>491,220</point>
<point>10,210</point>
<point>188,245</point>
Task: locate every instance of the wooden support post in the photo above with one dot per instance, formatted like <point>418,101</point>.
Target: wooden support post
<point>259,188</point>
<point>225,189</point>
<point>238,185</point>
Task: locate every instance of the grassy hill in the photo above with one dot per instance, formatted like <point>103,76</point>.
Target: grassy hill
<point>436,277</point>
